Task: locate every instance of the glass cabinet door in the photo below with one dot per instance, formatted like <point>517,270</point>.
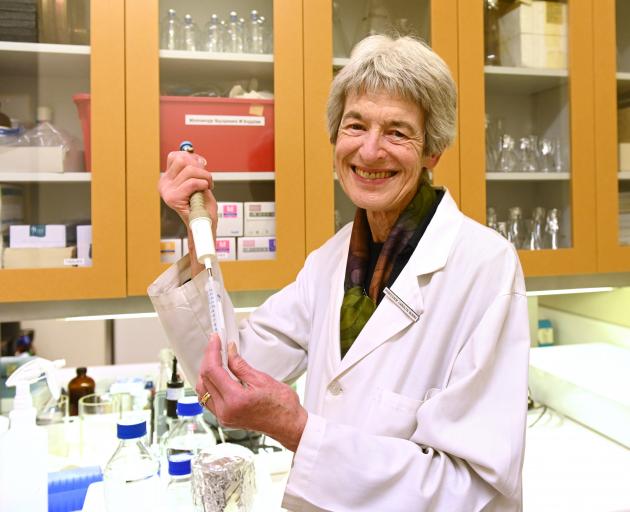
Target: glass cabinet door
<point>53,62</point>
<point>535,79</point>
<point>332,28</point>
<point>227,78</point>
<point>622,15</point>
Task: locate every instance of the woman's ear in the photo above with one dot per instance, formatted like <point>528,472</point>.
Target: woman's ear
<point>430,161</point>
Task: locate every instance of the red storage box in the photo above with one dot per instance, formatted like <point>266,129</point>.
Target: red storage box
<point>232,134</point>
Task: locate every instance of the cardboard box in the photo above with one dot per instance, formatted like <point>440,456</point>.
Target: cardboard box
<point>623,124</point>
<point>230,219</point>
<point>170,250</point>
<point>534,51</point>
<point>624,157</point>
<point>534,17</point>
<point>226,248</point>
<point>40,159</point>
<point>84,245</point>
<point>257,248</point>
<point>39,257</point>
<point>260,218</point>
<point>37,235</point>
<point>11,206</point>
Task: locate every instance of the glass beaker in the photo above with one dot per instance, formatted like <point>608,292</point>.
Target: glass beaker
<point>98,414</point>
<point>54,416</point>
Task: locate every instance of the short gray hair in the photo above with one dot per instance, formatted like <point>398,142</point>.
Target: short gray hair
<point>404,67</point>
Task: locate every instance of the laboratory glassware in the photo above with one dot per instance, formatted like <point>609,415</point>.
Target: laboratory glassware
<point>190,34</point>
<point>506,161</point>
<point>171,32</point>
<point>515,226</point>
<point>552,228</point>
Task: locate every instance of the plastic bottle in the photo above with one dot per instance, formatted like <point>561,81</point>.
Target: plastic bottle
<point>24,447</point>
<point>255,34</point>
<point>130,478</point>
<point>190,434</point>
<point>214,35</point>
<point>79,386</point>
<point>191,34</point>
<point>44,133</point>
<point>179,487</point>
<point>171,32</point>
<point>235,34</point>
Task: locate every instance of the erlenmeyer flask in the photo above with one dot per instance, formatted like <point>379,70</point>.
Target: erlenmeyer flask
<point>376,20</point>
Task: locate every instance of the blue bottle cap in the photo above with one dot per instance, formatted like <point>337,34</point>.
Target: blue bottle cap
<point>179,464</point>
<point>131,428</point>
<point>186,145</point>
<point>188,406</point>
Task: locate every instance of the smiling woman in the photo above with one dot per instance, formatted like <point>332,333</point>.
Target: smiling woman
<point>411,321</point>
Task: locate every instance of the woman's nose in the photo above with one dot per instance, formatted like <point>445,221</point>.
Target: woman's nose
<point>371,148</point>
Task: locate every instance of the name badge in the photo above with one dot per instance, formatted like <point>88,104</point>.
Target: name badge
<point>401,304</point>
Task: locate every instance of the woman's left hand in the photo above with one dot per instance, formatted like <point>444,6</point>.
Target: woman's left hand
<point>258,402</point>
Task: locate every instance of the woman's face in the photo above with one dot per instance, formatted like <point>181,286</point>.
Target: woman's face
<point>378,154</point>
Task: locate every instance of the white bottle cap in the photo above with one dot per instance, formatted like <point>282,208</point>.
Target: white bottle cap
<point>44,114</point>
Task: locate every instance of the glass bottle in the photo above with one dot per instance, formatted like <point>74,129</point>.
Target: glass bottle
<point>546,150</point>
<point>255,41</point>
<point>491,218</point>
<point>515,226</point>
<point>214,35</point>
<point>491,31</point>
<point>130,478</point>
<point>79,386</point>
<point>506,162</point>
<point>191,34</point>
<point>526,156</point>
<point>171,32</point>
<point>235,43</point>
<point>538,219</point>
<point>190,433</point>
<point>376,20</point>
<point>179,487</point>
<point>552,228</point>
<point>502,229</point>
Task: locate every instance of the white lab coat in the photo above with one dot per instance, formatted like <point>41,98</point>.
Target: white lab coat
<point>425,415</point>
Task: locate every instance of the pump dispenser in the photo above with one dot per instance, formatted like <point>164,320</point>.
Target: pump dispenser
<point>24,447</point>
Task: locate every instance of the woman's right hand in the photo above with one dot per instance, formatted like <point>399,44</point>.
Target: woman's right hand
<point>186,174</point>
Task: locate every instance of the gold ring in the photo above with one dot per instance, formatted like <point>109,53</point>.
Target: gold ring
<point>204,399</point>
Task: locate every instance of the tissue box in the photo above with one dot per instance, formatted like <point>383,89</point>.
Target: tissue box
<point>170,250</point>
<point>39,159</point>
<point>225,248</point>
<point>230,219</point>
<point>37,235</point>
<point>257,248</point>
<point>260,219</point>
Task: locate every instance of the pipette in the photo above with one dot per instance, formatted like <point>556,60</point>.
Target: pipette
<point>201,227</point>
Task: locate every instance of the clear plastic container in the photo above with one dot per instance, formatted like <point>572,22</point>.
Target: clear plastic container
<point>179,495</point>
<point>130,478</point>
<point>235,36</point>
<point>191,34</point>
<point>171,32</point>
<point>190,433</point>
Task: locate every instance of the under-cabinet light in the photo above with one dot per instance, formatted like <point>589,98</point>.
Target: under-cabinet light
<point>570,291</point>
<point>125,316</point>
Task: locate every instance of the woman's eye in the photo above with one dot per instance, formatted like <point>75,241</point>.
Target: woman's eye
<point>397,135</point>
<point>355,126</point>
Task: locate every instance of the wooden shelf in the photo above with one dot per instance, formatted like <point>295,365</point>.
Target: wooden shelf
<point>68,177</point>
<point>528,176</point>
<point>505,79</point>
<point>200,66</point>
<point>35,59</point>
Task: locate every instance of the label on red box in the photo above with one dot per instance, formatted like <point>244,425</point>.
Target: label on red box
<point>197,120</point>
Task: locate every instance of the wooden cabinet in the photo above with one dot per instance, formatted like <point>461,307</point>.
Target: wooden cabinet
<point>551,101</point>
<point>49,74</point>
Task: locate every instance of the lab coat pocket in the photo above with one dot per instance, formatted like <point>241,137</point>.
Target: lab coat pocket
<point>394,415</point>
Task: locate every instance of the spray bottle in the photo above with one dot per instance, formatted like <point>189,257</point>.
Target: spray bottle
<point>24,447</point>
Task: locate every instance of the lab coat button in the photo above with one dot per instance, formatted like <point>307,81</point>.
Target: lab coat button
<point>335,388</point>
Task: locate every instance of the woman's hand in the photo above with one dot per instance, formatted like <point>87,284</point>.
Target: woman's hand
<point>258,402</point>
<point>186,174</point>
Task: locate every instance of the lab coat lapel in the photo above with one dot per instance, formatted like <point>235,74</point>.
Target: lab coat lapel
<point>430,255</point>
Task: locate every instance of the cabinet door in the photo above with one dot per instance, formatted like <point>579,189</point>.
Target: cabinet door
<point>178,88</point>
<point>62,167</point>
<point>526,125</point>
<point>331,28</point>
<point>612,133</point>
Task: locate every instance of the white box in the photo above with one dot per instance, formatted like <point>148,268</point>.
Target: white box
<point>11,206</point>
<point>534,17</point>
<point>170,250</point>
<point>225,248</point>
<point>534,51</point>
<point>257,248</point>
<point>37,235</point>
<point>624,156</point>
<point>84,245</point>
<point>38,257</point>
<point>230,221</point>
<point>40,159</point>
<point>260,218</point>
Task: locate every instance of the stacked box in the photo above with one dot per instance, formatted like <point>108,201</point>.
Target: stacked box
<point>260,218</point>
<point>18,20</point>
<point>225,248</point>
<point>84,245</point>
<point>230,219</point>
<point>37,236</point>
<point>257,248</point>
<point>534,34</point>
<point>38,257</point>
<point>170,250</point>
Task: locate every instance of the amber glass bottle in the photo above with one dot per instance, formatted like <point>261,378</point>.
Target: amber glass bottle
<point>79,386</point>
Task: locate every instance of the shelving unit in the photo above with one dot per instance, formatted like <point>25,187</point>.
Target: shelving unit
<point>52,60</point>
<point>502,79</point>
<point>48,177</point>
<point>528,176</point>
